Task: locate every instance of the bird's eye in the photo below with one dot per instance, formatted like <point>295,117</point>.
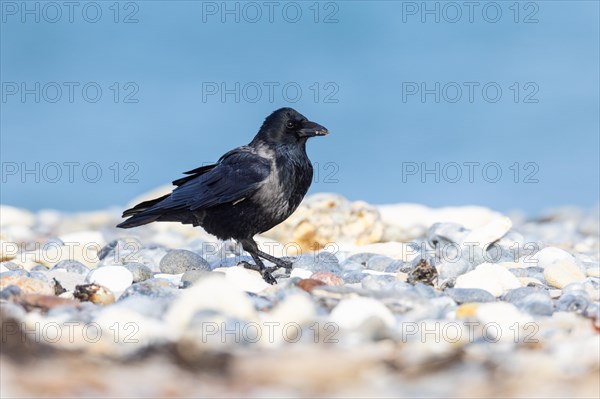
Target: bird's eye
<point>290,124</point>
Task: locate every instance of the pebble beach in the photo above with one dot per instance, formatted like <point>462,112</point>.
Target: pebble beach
<point>396,300</point>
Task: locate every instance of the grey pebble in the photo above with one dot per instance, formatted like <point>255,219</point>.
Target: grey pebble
<point>575,301</point>
<point>191,276</point>
<point>399,266</point>
<point>353,276</point>
<point>518,294</point>
<point>361,258</point>
<point>377,283</point>
<point>537,304</point>
<point>507,249</point>
<point>533,300</point>
<point>318,262</point>
<point>139,271</point>
<point>425,291</point>
<point>15,273</point>
<point>40,275</point>
<point>351,266</point>
<point>379,263</point>
<point>12,266</point>
<point>467,295</point>
<point>10,292</point>
<point>154,287</point>
<point>71,266</point>
<point>444,233</point>
<point>451,271</point>
<point>179,261</point>
<point>534,272</point>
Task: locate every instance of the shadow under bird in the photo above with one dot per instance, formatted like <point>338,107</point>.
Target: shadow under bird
<point>250,189</point>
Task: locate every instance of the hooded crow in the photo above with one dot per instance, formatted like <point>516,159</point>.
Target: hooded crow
<point>250,189</point>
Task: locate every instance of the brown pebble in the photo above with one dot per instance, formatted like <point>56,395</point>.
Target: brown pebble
<point>308,284</point>
<point>27,284</point>
<point>44,302</point>
<point>327,278</point>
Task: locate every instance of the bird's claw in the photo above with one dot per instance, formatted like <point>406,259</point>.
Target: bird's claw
<point>265,272</point>
<point>249,266</point>
<point>268,277</point>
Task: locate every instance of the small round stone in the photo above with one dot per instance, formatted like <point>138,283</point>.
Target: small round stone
<point>399,266</point>
<point>71,266</point>
<point>10,292</point>
<point>16,272</point>
<point>327,278</point>
<point>490,277</point>
<point>26,284</point>
<point>318,262</point>
<point>12,266</point>
<point>362,258</point>
<point>191,276</point>
<point>468,295</point>
<point>574,301</point>
<point>139,271</point>
<point>353,277</point>
<point>377,282</point>
<point>154,287</point>
<point>379,263</point>
<point>563,272</point>
<point>180,261</point>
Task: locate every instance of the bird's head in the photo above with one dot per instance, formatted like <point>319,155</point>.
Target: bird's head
<point>288,126</point>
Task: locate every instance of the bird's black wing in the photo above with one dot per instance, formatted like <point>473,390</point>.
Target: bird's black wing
<point>194,173</point>
<point>238,174</point>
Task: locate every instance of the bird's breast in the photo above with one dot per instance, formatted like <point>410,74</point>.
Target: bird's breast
<point>282,192</point>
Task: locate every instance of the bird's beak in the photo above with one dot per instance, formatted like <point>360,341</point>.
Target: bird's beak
<point>311,129</point>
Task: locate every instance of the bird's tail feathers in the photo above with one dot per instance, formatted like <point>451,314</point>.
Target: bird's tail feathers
<point>139,215</point>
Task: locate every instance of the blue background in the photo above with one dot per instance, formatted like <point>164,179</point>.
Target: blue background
<point>177,46</point>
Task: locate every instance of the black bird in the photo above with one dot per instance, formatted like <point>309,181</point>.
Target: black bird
<point>248,191</point>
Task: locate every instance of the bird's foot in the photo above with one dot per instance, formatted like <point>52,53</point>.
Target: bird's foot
<point>265,272</point>
<point>286,264</point>
<point>268,277</point>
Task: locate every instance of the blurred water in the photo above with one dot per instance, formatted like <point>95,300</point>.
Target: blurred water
<point>360,67</point>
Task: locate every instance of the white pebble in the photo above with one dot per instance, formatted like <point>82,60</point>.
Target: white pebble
<point>352,313</point>
<point>563,272</point>
<point>490,232</point>
<point>490,277</point>
<point>211,293</point>
<point>244,279</point>
<point>503,322</point>
<point>550,255</point>
<point>301,273</point>
<point>115,278</point>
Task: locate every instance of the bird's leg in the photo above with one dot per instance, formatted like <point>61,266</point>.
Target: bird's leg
<point>279,262</point>
<point>250,246</point>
